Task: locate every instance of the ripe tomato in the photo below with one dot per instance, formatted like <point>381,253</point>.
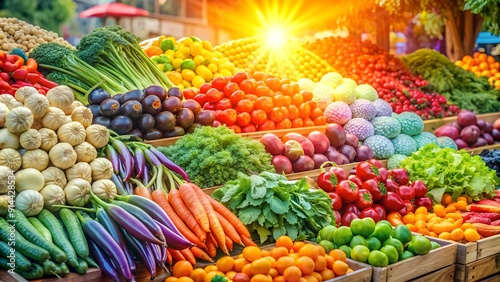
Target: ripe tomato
<point>262,90</point>
<point>223,104</point>
<point>189,93</point>
<point>304,110</point>
<point>228,116</point>
<point>213,95</point>
<point>265,104</point>
<point>245,106</point>
<point>201,99</point>
<point>298,122</point>
<point>230,88</point>
<point>278,100</point>
<point>336,201</point>
<point>235,128</point>
<point>239,77</point>
<point>252,97</point>
<point>297,99</point>
<point>249,128</point>
<point>276,115</point>
<point>284,124</point>
<point>204,88</point>
<point>218,83</point>
<point>288,100</point>
<point>295,87</point>
<point>267,125</point>
<point>293,112</point>
<point>259,75</point>
<point>312,104</point>
<point>243,119</point>
<point>237,96</point>
<point>348,191</point>
<point>308,122</point>
<point>317,112</point>
<point>273,83</point>
<point>258,116</point>
<point>320,120</point>
<point>285,112</point>
<point>247,85</point>
<point>217,114</point>
<point>209,106</point>
<point>285,81</point>
<point>287,90</point>
<point>307,95</point>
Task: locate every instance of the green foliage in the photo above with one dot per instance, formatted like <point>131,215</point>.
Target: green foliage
<point>48,14</point>
<point>211,156</point>
<point>489,10</point>
<point>273,205</point>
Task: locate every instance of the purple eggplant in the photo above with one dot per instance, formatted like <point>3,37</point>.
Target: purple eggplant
<point>156,249</point>
<point>168,163</point>
<point>108,223</point>
<point>128,187</point>
<point>147,220</point>
<point>102,260</point>
<point>119,184</point>
<point>114,158</point>
<point>151,158</point>
<point>140,162</point>
<point>101,237</point>
<point>126,157</point>
<point>163,255</point>
<point>173,240</point>
<point>143,251</point>
<point>146,175</point>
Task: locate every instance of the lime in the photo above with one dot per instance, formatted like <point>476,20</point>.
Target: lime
<point>166,44</point>
<point>406,255</point>
<point>326,233</point>
<point>363,227</point>
<point>360,253</point>
<point>373,243</point>
<point>421,245</point>
<point>358,240</point>
<point>395,243</point>
<point>382,232</point>
<point>391,253</point>
<point>402,233</point>
<point>188,64</point>
<point>342,236</point>
<point>378,259</point>
<point>383,221</point>
<point>435,245</point>
<point>327,245</point>
<point>346,249</point>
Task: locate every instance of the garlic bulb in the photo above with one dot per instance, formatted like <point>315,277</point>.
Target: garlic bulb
<point>38,104</point>
<point>10,158</point>
<point>54,118</point>
<point>85,152</point>
<point>79,170</point>
<point>30,139</point>
<point>54,176</point>
<point>82,115</point>
<point>49,138</point>
<point>97,135</point>
<point>37,159</point>
<point>19,119</point>
<point>72,133</point>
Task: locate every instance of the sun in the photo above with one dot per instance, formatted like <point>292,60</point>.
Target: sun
<point>276,37</point>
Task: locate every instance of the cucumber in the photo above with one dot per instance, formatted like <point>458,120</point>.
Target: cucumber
<point>41,229</point>
<point>21,261</point>
<point>29,231</point>
<point>30,250</point>
<point>56,229</point>
<point>5,264</point>
<point>62,268</point>
<point>76,235</point>
<point>35,272</point>
<point>82,267</point>
<point>49,268</point>
<point>91,262</point>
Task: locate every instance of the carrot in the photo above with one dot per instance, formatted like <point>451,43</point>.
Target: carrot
<point>201,254</point>
<point>215,225</point>
<point>229,243</point>
<point>174,199</point>
<point>176,254</point>
<point>211,246</point>
<point>193,203</point>
<point>229,229</point>
<point>231,217</point>
<point>247,241</point>
<point>188,255</point>
<point>143,192</point>
<point>160,198</point>
<point>169,258</point>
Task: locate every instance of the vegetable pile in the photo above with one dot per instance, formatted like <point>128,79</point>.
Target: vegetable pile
<point>15,33</point>
<point>482,64</point>
<point>448,170</point>
<point>212,156</point>
<point>459,86</point>
<point>275,206</point>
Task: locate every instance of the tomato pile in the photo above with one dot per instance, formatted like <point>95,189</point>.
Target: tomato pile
<point>257,102</point>
<point>372,190</point>
<point>365,62</point>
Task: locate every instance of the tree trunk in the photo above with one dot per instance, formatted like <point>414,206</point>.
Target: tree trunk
<point>383,29</point>
<point>462,29</point>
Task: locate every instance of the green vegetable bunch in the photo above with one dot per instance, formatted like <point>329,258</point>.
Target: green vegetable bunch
<point>451,171</point>
<point>459,86</point>
<point>211,156</point>
<point>273,205</point>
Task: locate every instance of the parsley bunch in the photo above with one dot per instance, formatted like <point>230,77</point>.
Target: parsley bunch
<point>211,156</point>
<point>272,205</point>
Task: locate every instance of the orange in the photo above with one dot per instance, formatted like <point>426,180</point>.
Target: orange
<point>292,274</point>
<point>327,274</point>
<point>198,275</point>
<point>225,264</point>
<point>284,241</point>
<point>306,265</point>
<point>251,253</point>
<point>340,267</point>
<point>230,274</point>
<point>309,250</point>
<point>457,234</point>
<point>246,270</point>
<point>279,252</point>
<point>283,263</point>
<point>421,210</point>
<point>446,199</point>
<point>171,279</point>
<point>272,260</point>
<point>212,274</point>
<point>260,266</point>
<point>310,278</point>
<point>265,253</point>
<point>278,278</point>
<point>184,279</point>
<point>239,263</point>
<point>273,272</point>
<point>439,210</point>
<point>409,218</point>
<point>471,235</point>
<point>210,268</point>
<point>182,268</point>
<point>261,278</point>
<point>318,276</point>
<point>444,235</point>
<point>338,255</point>
<point>320,263</point>
<point>483,57</point>
<point>490,60</point>
<point>297,245</point>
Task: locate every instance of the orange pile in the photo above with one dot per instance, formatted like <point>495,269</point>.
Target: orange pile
<point>288,261</point>
<point>444,222</point>
<point>482,65</point>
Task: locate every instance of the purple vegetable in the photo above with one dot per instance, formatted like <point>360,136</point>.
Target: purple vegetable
<point>173,240</point>
<point>119,184</point>
<point>140,162</point>
<point>114,158</point>
<point>169,164</point>
<point>143,251</point>
<point>125,156</point>
<point>103,260</point>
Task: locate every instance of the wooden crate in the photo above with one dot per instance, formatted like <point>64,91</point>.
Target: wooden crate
<point>361,273</point>
<point>417,266</point>
<point>478,269</point>
<point>473,251</point>
<point>446,274</point>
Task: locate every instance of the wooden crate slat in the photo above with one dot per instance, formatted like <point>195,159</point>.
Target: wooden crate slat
<point>446,274</point>
<point>478,269</point>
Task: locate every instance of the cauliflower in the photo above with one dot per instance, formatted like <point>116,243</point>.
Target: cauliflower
<point>323,95</point>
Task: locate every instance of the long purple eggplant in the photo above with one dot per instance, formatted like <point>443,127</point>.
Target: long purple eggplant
<point>119,184</point>
<point>102,260</point>
<point>126,157</point>
<point>143,251</point>
<point>114,158</point>
<point>127,221</point>
<point>108,223</point>
<point>140,162</point>
<point>144,217</point>
<point>156,250</point>
<point>151,208</point>
<point>146,175</point>
<point>128,187</point>
<point>168,163</point>
<point>99,235</point>
<point>173,240</point>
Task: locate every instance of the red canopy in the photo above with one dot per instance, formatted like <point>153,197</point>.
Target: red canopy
<point>113,9</point>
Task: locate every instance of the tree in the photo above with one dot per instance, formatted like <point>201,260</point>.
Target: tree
<point>48,14</point>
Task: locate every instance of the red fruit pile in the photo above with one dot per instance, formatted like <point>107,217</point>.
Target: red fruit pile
<point>365,62</point>
<point>247,103</point>
<point>371,191</point>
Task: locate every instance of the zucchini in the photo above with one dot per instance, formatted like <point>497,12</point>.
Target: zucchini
<point>76,235</point>
<point>29,231</point>
<point>82,267</point>
<point>56,229</point>
<point>49,268</point>
<point>21,261</point>
<point>35,272</point>
<point>5,264</point>
<point>91,262</point>
<point>62,268</point>
<point>41,229</point>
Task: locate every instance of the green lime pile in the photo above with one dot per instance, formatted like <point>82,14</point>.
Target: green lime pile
<point>377,244</point>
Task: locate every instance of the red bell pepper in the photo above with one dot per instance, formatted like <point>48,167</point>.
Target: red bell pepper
<point>377,189</point>
<point>33,78</point>
<point>392,202</point>
<point>4,76</point>
<point>3,56</point>
<point>47,83</point>
<point>484,208</point>
<point>20,74</point>
<point>23,83</point>
<point>31,65</point>
<point>13,63</point>
<point>5,86</point>
<point>489,215</point>
<point>488,202</point>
